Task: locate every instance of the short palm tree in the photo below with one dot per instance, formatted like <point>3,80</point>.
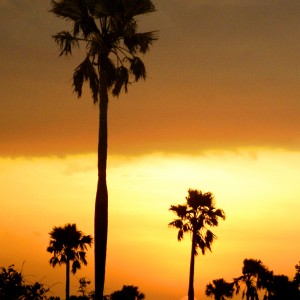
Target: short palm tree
<point>194,217</point>
<point>219,289</point>
<point>68,245</point>
<point>112,43</point>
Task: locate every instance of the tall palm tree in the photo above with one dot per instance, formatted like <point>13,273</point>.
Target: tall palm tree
<point>108,30</point>
<point>68,245</point>
<point>194,217</point>
<point>219,289</point>
<point>255,277</point>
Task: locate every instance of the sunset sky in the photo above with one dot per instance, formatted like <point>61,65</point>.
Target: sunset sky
<point>219,112</point>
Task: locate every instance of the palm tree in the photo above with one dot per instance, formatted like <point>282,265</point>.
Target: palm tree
<point>128,292</point>
<point>255,277</point>
<point>219,289</point>
<point>68,244</point>
<point>193,217</point>
<point>108,29</point>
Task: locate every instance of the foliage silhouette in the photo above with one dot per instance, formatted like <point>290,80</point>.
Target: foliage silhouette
<point>108,28</point>
<point>13,286</point>
<point>257,277</point>
<point>282,288</point>
<point>194,216</point>
<point>68,244</point>
<point>219,289</point>
<point>83,290</point>
<point>83,284</point>
<point>128,292</point>
<point>297,275</point>
<point>253,271</point>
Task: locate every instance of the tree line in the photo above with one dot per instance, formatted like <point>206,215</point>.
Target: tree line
<point>255,282</point>
<point>13,286</point>
<point>68,246</point>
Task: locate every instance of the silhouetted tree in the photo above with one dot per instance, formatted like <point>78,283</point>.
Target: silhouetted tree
<point>128,292</point>
<point>83,284</point>
<point>194,217</point>
<point>13,286</point>
<point>283,288</point>
<point>108,29</point>
<point>219,289</point>
<point>254,278</point>
<point>68,245</point>
<point>11,283</point>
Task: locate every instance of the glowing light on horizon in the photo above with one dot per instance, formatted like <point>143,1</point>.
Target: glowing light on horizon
<point>255,189</point>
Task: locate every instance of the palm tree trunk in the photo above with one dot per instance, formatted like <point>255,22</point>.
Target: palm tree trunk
<point>101,204</point>
<point>67,279</point>
<point>192,267</point>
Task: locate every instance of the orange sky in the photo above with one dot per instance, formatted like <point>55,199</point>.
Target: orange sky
<point>219,111</point>
<point>257,189</point>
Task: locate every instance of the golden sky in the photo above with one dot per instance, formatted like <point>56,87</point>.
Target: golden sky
<point>219,111</point>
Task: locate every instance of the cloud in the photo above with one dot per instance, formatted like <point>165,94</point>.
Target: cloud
<point>223,74</point>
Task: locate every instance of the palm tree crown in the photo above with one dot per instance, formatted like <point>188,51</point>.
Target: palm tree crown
<point>109,30</point>
<point>198,212</point>
<point>220,289</point>
<point>68,244</point>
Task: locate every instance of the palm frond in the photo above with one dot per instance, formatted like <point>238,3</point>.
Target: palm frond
<point>96,45</point>
<point>86,240</point>
<point>75,266</point>
<point>180,235</point>
<point>103,9</point>
<point>209,238</point>
<point>81,257</point>
<point>176,223</point>
<point>134,8</point>
<point>139,42</point>
<point>179,210</point>
<point>67,9</point>
<point>66,42</point>
<point>200,243</point>
<point>50,249</point>
<point>78,12</point>
<point>137,68</point>
<point>85,71</point>
<point>187,227</point>
<point>54,261</point>
<point>220,213</point>
<point>121,79</point>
